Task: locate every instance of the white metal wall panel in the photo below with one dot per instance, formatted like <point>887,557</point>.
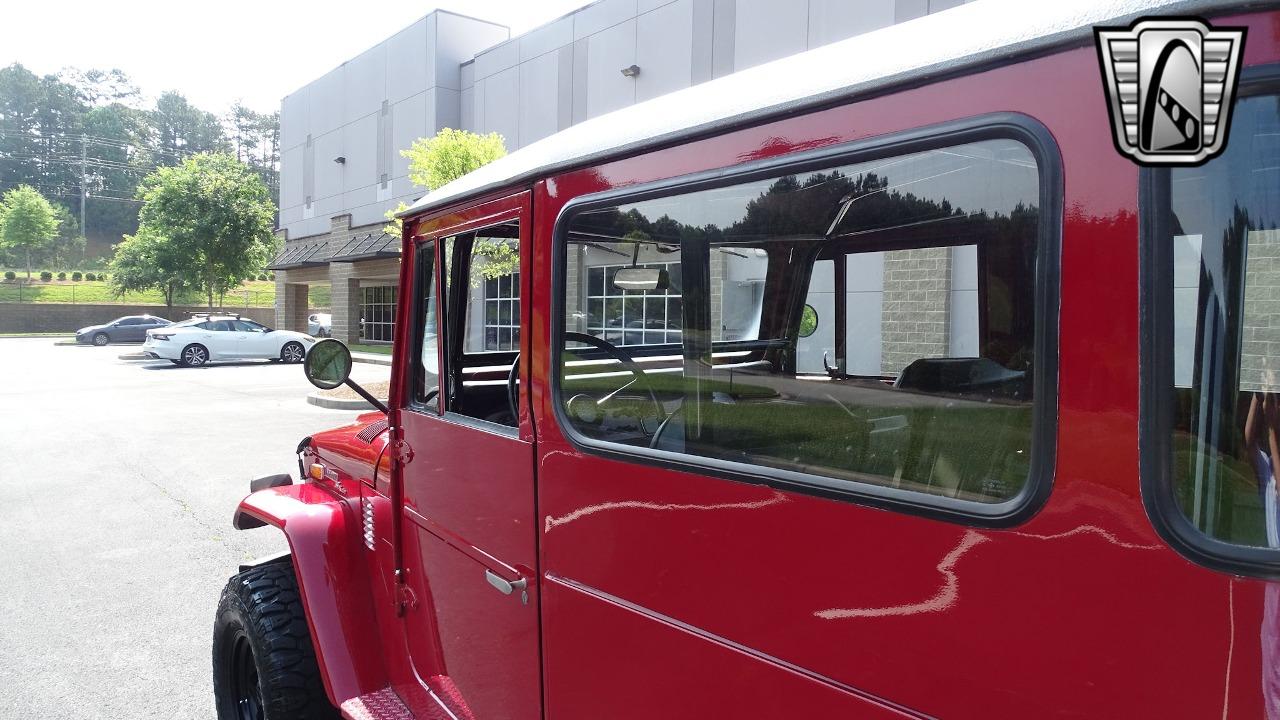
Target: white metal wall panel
<point>601,16</point>
<point>664,49</point>
<point>608,52</point>
<point>409,121</point>
<point>538,100</point>
<point>767,30</point>
<point>552,36</point>
<point>291,178</point>
<point>294,123</point>
<point>458,39</point>
<point>324,104</point>
<point>499,115</point>
<point>328,173</point>
<point>364,83</point>
<point>409,62</point>
<point>496,59</point>
<point>831,20</point>
<point>360,148</point>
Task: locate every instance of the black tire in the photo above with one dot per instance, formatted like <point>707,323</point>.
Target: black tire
<point>101,339</point>
<point>264,665</point>
<point>293,352</point>
<point>194,355</point>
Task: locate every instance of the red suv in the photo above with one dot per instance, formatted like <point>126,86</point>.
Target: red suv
<point>893,391</point>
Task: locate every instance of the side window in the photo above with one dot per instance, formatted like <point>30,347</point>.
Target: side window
<point>126,322</point>
<point>427,383</point>
<point>223,325</point>
<point>1217,425</point>
<point>247,326</point>
<point>867,324</point>
<point>482,338</point>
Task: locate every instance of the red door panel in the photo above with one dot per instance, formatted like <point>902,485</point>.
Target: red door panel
<point>1081,611</point>
<point>467,520</point>
<point>613,662</point>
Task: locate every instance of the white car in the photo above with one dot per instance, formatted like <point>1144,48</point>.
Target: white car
<point>320,325</point>
<point>203,339</point>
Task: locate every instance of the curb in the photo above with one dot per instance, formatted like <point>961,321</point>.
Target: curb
<point>134,357</point>
<point>371,358</point>
<point>333,403</point>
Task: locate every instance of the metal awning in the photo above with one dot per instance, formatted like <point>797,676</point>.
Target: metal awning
<point>299,256</point>
<point>368,247</point>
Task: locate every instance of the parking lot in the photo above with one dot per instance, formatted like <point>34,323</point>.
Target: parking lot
<point>119,482</point>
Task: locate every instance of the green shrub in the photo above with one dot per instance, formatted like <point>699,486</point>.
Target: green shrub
<point>77,276</point>
<point>46,276</point>
<point>62,276</point>
<point>262,277</point>
<point>90,277</point>
<point>10,275</point>
<point>102,277</point>
<point>272,276</point>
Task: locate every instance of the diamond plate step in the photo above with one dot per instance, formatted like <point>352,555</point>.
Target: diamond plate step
<point>381,705</point>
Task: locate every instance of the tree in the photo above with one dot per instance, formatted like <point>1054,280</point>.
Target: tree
<point>180,128</point>
<point>27,222</point>
<point>217,212</point>
<point>150,260</point>
<point>449,155</point>
<point>438,160</point>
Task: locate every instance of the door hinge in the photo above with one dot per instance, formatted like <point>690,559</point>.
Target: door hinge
<point>405,599</point>
<point>401,452</point>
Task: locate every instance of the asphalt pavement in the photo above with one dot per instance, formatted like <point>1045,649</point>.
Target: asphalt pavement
<point>119,480</point>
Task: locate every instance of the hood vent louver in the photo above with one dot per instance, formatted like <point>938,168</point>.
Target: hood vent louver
<point>370,433</point>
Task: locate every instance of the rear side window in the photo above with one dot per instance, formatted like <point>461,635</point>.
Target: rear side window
<point>1213,405</point>
<point>869,327</point>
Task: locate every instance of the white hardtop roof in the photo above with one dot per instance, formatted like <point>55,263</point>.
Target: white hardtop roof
<point>964,36</point>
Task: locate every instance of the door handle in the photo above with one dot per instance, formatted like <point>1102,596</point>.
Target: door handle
<point>507,587</point>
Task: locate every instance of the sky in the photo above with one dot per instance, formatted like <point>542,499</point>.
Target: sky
<point>217,53</point>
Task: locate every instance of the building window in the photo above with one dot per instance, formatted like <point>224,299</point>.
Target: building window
<point>502,312</point>
<point>378,313</point>
<point>633,317</point>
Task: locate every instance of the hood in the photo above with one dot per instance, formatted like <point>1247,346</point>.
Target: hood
<point>91,328</point>
<point>353,449</point>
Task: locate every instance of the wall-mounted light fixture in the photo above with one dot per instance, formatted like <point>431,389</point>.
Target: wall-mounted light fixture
<point>341,160</point>
<point>631,71</point>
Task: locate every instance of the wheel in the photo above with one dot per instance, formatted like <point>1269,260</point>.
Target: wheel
<point>194,355</point>
<point>264,665</point>
<point>293,352</point>
<point>101,339</point>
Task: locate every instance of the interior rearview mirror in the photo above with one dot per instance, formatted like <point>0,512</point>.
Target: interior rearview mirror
<point>328,365</point>
<point>638,278</point>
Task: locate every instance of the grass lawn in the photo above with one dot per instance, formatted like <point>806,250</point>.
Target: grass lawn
<point>379,349</point>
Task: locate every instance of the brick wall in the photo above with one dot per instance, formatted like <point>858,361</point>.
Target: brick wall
<point>1260,346</point>
<point>914,319</point>
<point>58,317</point>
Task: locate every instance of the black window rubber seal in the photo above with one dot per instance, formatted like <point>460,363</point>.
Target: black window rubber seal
<point>992,126</point>
<point>1155,367</point>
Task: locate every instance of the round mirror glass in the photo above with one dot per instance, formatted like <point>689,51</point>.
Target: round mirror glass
<point>808,321</point>
<point>328,364</point>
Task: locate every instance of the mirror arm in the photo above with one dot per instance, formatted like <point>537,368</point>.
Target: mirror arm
<point>367,396</point>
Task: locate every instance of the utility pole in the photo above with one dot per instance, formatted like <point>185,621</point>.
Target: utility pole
<point>83,180</point>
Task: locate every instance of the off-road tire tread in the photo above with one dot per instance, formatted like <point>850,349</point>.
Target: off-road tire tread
<point>266,602</point>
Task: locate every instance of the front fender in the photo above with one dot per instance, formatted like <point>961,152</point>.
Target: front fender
<point>324,539</point>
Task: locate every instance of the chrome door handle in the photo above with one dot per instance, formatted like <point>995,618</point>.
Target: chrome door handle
<point>507,587</point>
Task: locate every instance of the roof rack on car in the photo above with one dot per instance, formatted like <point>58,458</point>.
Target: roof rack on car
<point>206,313</point>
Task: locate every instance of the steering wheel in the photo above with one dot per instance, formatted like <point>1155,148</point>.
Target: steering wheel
<point>624,358</point>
